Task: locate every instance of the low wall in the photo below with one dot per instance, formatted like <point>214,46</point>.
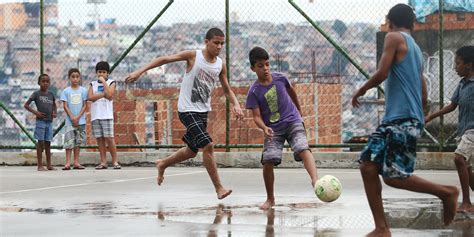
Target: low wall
<point>425,160</point>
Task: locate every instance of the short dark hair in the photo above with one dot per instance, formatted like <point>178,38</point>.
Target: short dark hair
<point>466,53</point>
<point>257,53</point>
<point>402,15</point>
<point>41,76</point>
<point>214,32</point>
<point>102,65</point>
<point>73,70</point>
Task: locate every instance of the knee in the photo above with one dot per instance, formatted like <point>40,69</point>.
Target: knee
<point>391,182</point>
<point>190,153</point>
<point>368,168</point>
<point>459,160</point>
<point>209,148</point>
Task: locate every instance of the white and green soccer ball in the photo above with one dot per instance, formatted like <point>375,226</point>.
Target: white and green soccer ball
<point>328,188</point>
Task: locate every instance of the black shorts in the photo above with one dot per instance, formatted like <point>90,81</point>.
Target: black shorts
<point>196,129</point>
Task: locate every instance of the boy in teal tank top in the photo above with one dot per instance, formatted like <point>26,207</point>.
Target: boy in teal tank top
<point>391,149</point>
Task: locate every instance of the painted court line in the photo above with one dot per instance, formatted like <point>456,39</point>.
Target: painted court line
<point>92,183</point>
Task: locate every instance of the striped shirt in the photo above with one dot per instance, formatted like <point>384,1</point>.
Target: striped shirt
<point>464,98</point>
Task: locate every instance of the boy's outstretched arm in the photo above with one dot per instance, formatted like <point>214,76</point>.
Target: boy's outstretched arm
<point>229,93</point>
<point>446,109</point>
<point>257,118</point>
<point>392,41</point>
<point>188,56</point>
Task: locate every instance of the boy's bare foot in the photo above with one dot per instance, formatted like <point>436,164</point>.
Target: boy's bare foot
<point>379,233</point>
<point>269,203</point>
<point>51,168</point>
<point>161,172</point>
<point>450,205</point>
<point>223,193</point>
<point>42,169</point>
<point>465,207</point>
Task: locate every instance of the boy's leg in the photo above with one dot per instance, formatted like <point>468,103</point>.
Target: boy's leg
<point>76,158</point>
<point>309,165</point>
<point>112,149</point>
<point>68,158</point>
<point>463,173</point>
<point>211,167</point>
<point>180,155</point>
<point>102,150</point>
<point>373,191</point>
<point>39,155</point>
<point>448,194</point>
<point>471,177</point>
<point>269,179</point>
<point>47,151</point>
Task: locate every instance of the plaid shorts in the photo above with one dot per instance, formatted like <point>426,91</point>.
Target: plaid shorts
<point>74,136</point>
<point>196,130</point>
<point>295,134</point>
<point>393,147</point>
<point>103,128</point>
<point>466,146</point>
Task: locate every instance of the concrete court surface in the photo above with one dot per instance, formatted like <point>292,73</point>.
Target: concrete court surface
<point>128,202</point>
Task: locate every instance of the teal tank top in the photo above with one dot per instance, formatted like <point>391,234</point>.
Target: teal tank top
<point>403,85</point>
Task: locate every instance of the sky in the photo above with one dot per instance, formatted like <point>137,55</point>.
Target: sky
<point>141,12</point>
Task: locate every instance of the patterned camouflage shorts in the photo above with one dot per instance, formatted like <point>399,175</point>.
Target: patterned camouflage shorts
<point>393,147</point>
<point>74,136</point>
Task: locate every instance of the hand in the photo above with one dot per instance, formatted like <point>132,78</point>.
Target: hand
<point>102,79</point>
<point>132,77</point>
<point>54,114</point>
<point>428,119</point>
<point>355,97</point>
<point>268,133</point>
<point>238,112</point>
<point>40,115</point>
<point>75,122</point>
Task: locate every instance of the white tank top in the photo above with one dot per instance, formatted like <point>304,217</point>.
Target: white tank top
<point>197,85</point>
<point>101,108</point>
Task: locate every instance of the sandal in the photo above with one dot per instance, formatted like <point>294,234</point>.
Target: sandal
<point>117,167</point>
<point>66,168</point>
<point>80,167</point>
<point>101,167</point>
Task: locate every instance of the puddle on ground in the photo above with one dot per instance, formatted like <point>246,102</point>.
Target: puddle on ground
<point>403,214</point>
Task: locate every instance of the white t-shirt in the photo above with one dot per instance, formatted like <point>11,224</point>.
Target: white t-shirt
<point>102,108</point>
<point>197,85</point>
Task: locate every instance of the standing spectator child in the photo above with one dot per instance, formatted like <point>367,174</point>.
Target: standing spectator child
<point>74,100</point>
<point>46,110</point>
<point>101,93</point>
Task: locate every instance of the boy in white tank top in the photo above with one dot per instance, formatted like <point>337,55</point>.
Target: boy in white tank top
<point>203,69</point>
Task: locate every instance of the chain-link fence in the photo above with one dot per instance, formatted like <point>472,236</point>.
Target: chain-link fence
<point>327,48</point>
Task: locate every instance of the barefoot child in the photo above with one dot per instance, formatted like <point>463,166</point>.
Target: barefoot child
<point>464,97</point>
<point>391,149</point>
<point>203,69</point>
<point>74,100</point>
<point>276,111</point>
<point>46,110</point>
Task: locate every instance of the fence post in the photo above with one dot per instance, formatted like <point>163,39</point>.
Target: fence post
<point>41,37</point>
<point>441,75</point>
<point>227,64</point>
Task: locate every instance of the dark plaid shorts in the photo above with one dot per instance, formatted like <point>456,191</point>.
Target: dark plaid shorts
<point>196,130</point>
<point>393,147</point>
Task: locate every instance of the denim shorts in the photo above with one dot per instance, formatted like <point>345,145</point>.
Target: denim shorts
<point>393,147</point>
<point>44,130</point>
<point>295,134</point>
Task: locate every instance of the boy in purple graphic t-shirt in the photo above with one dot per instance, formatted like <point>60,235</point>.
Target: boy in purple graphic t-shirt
<point>276,111</point>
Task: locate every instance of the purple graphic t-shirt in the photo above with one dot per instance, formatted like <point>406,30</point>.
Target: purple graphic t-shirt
<point>276,107</point>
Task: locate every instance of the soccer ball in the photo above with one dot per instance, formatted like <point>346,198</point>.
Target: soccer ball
<point>328,188</point>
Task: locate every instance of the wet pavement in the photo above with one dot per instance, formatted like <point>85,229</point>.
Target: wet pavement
<point>128,202</point>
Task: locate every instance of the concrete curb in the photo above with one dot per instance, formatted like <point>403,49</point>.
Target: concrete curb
<point>425,160</point>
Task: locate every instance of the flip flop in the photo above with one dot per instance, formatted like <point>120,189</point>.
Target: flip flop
<point>101,167</point>
<point>80,167</point>
<point>117,167</point>
<point>66,168</point>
